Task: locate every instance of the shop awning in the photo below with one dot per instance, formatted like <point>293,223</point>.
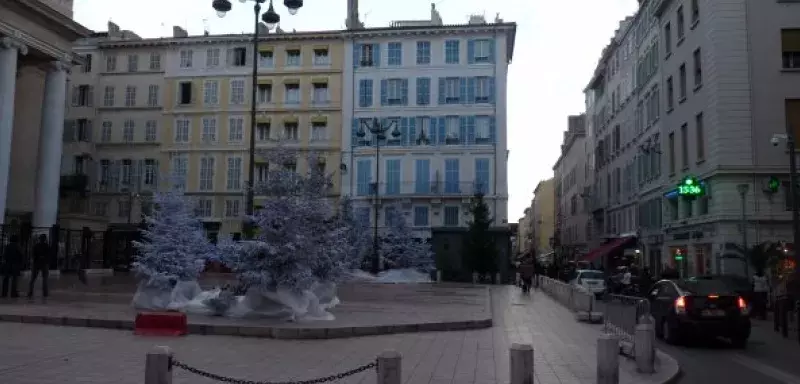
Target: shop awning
<point>607,248</point>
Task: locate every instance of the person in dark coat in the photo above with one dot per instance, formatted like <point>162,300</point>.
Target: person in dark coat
<point>11,266</point>
<point>41,253</point>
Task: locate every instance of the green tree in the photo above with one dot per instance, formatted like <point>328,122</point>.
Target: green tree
<point>480,247</point>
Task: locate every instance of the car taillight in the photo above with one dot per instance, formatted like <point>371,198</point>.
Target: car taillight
<point>680,305</point>
<point>742,305</point>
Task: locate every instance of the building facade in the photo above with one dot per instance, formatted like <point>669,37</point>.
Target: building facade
<point>442,91</point>
<point>35,55</point>
<point>572,223</point>
<point>544,217</point>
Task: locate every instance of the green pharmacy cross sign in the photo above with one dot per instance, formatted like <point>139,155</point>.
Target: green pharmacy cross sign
<point>690,187</point>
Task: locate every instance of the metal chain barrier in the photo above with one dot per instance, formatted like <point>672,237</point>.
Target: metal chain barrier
<point>339,376</point>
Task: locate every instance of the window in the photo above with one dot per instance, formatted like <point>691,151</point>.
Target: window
<point>682,85</point>
<point>367,55</point>
<point>235,129</point>
<point>482,125</point>
<point>182,130</point>
<point>211,92</point>
<point>264,93</point>
<point>482,89</point>
<point>790,48</point>
<point>152,95</point>
<point>668,38</point>
<point>319,131</point>
<point>262,131</point>
<point>262,173</point>
<point>685,146</point>
<point>127,131</point>
<point>451,90</point>
<point>232,208</point>
<point>290,131</point>
<point>452,130</point>
<point>680,22</point>
<point>423,91</point>
<point>205,208</point>
<point>83,130</point>
<point>87,66</point>
<point>292,94</point>
<point>105,171</point>
<point>421,216</point>
<point>237,91</point>
<point>105,133</point>
<point>108,96</point>
<point>150,169</point>
<point>394,92</point>
<point>180,168</point>
<point>423,52</point>
<point>212,57</point>
<point>209,129</point>
<point>123,208</point>
<point>186,58</point>
<point>238,57</point>
<point>133,63</point>
<point>451,218</point>
<point>481,51</point>
<point>698,69</point>
<point>150,131</point>
<point>671,153</point>
<point>82,96</point>
<point>184,93</point>
<point>482,176</point>
<point>234,181</point>
<point>670,94</point>
<point>111,63</point>
<point>395,54</point>
<point>130,96</point>
<point>266,59</point>
<point>365,93</point>
<point>155,62</point>
<point>206,173</point>
<point>393,173</point>
<point>695,12</point>
<point>320,95</point>
<point>700,136</point>
<point>292,57</point>
<point>451,176</point>
<point>451,52</point>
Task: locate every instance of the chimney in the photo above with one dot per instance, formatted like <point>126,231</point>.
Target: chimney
<point>179,32</point>
<point>352,21</point>
<point>113,29</point>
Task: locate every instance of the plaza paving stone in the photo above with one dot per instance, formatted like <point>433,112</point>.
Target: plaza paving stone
<point>564,352</point>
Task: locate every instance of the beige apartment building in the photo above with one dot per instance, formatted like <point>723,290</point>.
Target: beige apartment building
<point>572,223</point>
<point>36,52</point>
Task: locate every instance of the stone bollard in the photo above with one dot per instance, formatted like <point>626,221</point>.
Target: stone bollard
<point>644,342</point>
<point>158,366</point>
<point>389,368</point>
<point>474,277</point>
<point>497,278</point>
<point>521,359</point>
<point>607,359</point>
<point>438,276</point>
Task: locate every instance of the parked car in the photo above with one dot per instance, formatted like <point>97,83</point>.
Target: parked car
<point>704,306</point>
<point>590,281</point>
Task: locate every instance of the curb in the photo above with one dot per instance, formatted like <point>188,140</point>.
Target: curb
<point>675,376</point>
<point>261,331</point>
<point>662,359</point>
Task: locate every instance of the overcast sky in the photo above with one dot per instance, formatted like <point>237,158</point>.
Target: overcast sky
<point>557,46</point>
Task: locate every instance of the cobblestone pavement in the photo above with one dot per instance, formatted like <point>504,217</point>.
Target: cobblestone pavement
<point>564,350</point>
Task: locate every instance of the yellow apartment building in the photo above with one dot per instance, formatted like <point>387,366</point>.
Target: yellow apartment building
<point>544,216</point>
<point>207,124</point>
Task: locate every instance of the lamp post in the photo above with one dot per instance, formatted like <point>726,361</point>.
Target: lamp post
<point>790,144</point>
<point>271,19</point>
<point>378,131</point>
<point>742,189</point>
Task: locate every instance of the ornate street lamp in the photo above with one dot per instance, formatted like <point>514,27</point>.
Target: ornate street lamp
<point>378,130</point>
<point>271,19</point>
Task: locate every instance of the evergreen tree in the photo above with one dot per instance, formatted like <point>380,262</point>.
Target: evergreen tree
<point>358,234</point>
<point>174,246</point>
<point>480,245</point>
<point>401,250</point>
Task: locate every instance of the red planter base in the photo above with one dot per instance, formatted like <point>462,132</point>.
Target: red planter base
<point>161,324</point>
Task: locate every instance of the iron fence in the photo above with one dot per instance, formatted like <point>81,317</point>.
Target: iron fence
<point>577,300</point>
<point>621,315</point>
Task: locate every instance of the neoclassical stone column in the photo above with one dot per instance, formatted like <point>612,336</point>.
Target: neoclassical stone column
<point>10,48</point>
<point>48,171</point>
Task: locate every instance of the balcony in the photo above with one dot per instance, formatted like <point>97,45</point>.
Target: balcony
<point>423,189</point>
<point>76,183</point>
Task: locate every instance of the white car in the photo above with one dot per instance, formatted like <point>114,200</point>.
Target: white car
<point>590,281</point>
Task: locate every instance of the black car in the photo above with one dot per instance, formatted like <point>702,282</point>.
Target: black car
<point>703,306</point>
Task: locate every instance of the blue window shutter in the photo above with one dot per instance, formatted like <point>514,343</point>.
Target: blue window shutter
<point>433,134</point>
<point>492,129</point>
<point>412,130</point>
<point>419,91</point>
<point>441,90</point>
<point>384,91</point>
<point>404,91</point>
<point>362,93</point>
<point>376,52</point>
<point>400,55</point>
<point>462,129</point>
<point>356,55</point>
<point>462,88</point>
<point>369,92</point>
<point>404,131</point>
<point>491,50</point>
<point>354,139</point>
<point>471,90</point>
<point>491,90</point>
<point>471,51</point>
<point>442,131</point>
<point>470,130</point>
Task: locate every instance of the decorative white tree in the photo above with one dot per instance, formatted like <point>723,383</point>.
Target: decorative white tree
<point>400,249</point>
<point>358,235</point>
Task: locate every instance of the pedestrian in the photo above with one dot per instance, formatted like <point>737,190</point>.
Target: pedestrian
<point>11,266</point>
<point>41,254</point>
<point>760,290</point>
<point>526,274</point>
